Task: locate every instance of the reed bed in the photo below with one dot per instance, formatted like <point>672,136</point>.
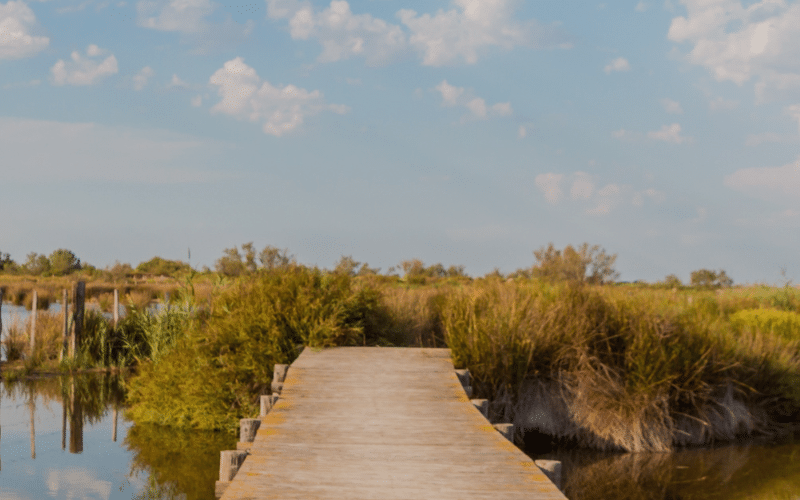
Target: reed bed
<point>619,370</point>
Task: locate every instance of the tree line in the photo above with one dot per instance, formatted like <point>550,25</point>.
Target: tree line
<point>589,264</point>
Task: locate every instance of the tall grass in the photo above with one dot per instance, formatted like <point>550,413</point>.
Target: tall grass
<point>620,370</point>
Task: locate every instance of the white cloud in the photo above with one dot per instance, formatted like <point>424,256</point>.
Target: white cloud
<point>341,33</point>
<point>446,37</point>
<point>185,16</point>
<point>142,77</point>
<point>607,198</point>
<point>618,64</point>
<point>641,7</point>
<point>78,151</point>
<point>550,185</point>
<point>672,107</point>
<point>280,109</point>
<point>522,132</point>
<point>197,101</point>
<point>84,71</point>
<point>450,93</point>
<point>177,82</point>
<point>462,33</point>
<point>459,96</point>
<point>669,133</point>
<point>768,182</point>
<point>737,42</point>
<point>502,109</point>
<point>16,40</point>
<point>70,480</point>
<point>582,186</point>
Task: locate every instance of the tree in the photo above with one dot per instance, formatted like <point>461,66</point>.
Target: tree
<point>275,258</point>
<point>710,279</point>
<point>6,264</point>
<point>347,266</point>
<point>249,257</point>
<point>673,281</point>
<point>230,264</point>
<point>63,262</point>
<point>584,264</point>
<point>37,264</point>
<point>162,267</point>
<point>120,271</point>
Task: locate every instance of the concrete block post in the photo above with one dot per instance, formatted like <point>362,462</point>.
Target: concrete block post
<point>464,378</point>
<point>551,469</point>
<point>507,430</point>
<point>278,377</point>
<point>229,463</point>
<point>248,428</point>
<point>483,406</point>
<point>267,402</point>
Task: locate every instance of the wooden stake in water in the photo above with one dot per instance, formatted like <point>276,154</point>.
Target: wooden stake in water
<point>33,322</point>
<point>1,313</point>
<point>116,307</point>
<point>77,318</point>
<point>65,337</point>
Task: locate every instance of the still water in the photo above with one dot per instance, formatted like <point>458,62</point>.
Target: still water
<point>67,438</point>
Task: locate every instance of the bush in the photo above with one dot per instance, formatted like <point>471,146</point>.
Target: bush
<point>215,374</point>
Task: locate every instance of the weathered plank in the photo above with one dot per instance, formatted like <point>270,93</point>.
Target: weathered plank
<point>377,423</point>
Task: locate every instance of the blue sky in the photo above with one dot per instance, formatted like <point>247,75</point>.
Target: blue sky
<point>466,132</point>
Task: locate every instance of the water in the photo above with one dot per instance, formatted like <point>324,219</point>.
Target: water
<point>68,438</point>
<point>742,471</point>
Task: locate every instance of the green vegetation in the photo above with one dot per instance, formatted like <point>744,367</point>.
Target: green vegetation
<point>217,371</point>
<point>555,347</point>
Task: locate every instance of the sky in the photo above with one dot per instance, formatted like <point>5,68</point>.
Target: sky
<point>461,132</point>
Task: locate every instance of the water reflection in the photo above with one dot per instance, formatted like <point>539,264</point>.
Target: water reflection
<point>100,454</point>
<point>753,471</point>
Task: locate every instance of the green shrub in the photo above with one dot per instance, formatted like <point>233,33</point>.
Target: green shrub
<point>215,374</point>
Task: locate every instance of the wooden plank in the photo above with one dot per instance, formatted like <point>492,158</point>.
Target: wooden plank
<point>364,423</point>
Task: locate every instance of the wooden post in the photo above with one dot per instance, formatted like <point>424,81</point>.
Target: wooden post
<point>1,313</point>
<point>248,428</point>
<point>33,323</point>
<point>116,307</point>
<point>267,402</point>
<point>507,430</point>
<point>65,337</point>
<point>551,469</point>
<point>77,318</point>
<point>483,406</point>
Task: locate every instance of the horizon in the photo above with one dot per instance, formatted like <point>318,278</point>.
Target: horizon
<point>461,132</point>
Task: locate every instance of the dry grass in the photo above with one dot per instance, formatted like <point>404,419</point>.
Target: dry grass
<point>622,369</point>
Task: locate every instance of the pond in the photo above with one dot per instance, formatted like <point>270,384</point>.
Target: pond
<point>68,438</point>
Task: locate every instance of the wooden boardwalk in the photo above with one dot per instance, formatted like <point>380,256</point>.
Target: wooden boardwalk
<point>358,423</point>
